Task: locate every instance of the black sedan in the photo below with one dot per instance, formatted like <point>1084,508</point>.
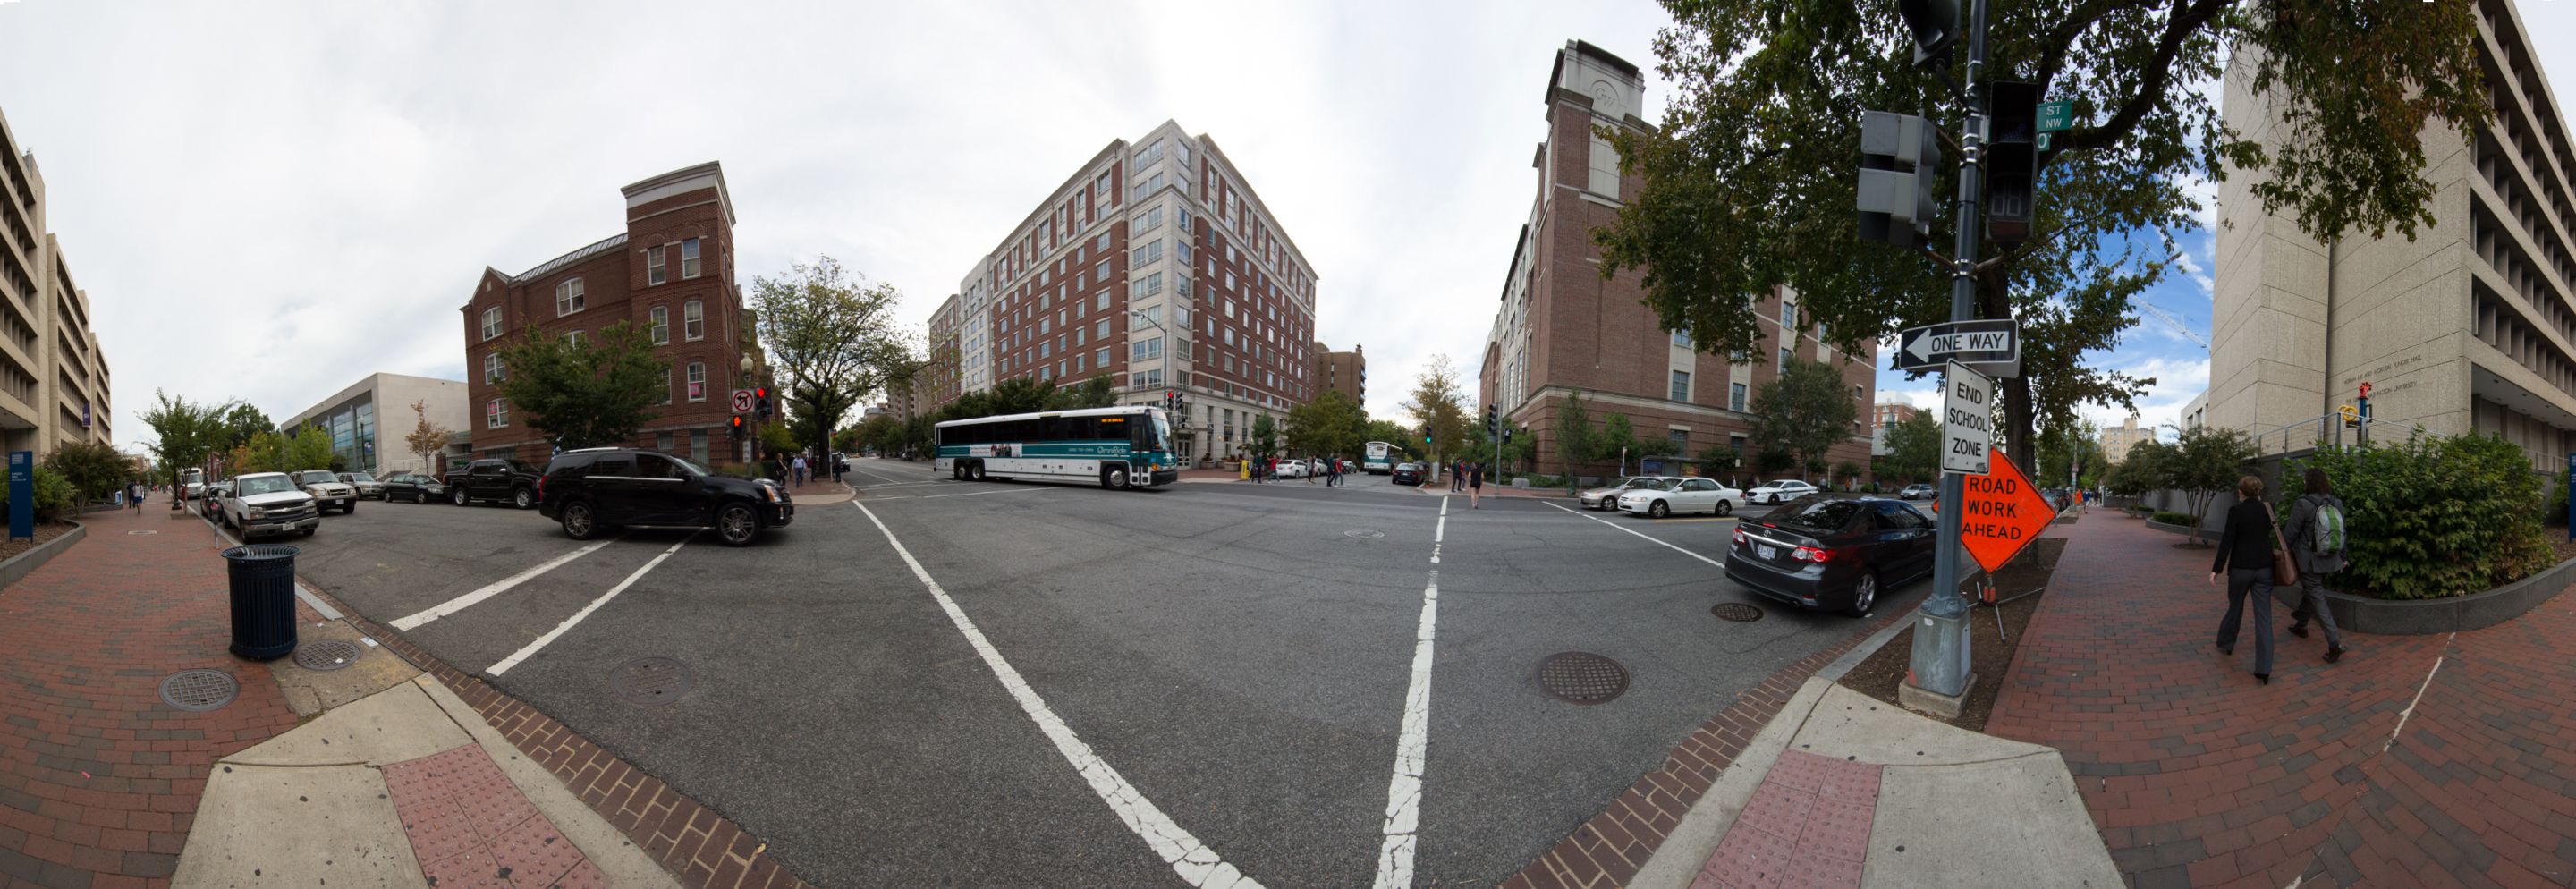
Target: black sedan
<point>413,487</point>
<point>1832,551</point>
<point>1407,474</point>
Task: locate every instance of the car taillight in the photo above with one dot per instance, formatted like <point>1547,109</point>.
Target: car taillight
<point>1811,554</point>
<point>541,487</point>
<point>1739,536</point>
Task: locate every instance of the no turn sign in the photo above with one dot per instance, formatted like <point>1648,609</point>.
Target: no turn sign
<point>742,401</point>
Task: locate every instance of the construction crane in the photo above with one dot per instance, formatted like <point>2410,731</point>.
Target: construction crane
<point>2171,321</point>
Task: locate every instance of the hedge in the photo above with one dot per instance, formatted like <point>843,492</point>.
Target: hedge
<point>2175,518</point>
<point>2432,516</point>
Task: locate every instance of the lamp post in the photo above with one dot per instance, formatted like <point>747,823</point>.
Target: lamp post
<point>751,440</point>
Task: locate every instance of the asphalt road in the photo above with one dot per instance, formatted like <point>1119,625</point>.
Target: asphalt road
<point>1236,657</point>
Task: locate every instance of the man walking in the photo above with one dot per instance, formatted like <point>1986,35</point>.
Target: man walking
<point>800,470</point>
<point>2316,536</point>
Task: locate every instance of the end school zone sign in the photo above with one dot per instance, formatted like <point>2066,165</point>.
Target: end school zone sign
<point>1967,419</point>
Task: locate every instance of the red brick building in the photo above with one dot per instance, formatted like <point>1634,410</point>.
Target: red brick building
<point>669,273</point>
<point>1564,330</point>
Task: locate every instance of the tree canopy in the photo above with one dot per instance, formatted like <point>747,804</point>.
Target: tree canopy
<point>1330,424</point>
<point>587,394</point>
<point>426,439</point>
<point>1437,402</point>
<point>1913,449</point>
<point>831,337</point>
<point>1805,411</point>
<point>184,433</point>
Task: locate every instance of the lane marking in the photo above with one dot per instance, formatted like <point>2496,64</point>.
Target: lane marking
<point>2402,715</point>
<point>857,471</point>
<point>1720,565</point>
<point>1440,531</point>
<point>970,494</point>
<point>1404,790</point>
<point>531,648</point>
<point>494,588</point>
<point>1196,864</point>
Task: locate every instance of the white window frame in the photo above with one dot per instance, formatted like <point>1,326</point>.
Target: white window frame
<point>493,370</point>
<point>697,381</point>
<point>656,270</point>
<point>491,322</point>
<point>496,414</point>
<point>693,321</point>
<point>570,296</point>
<point>689,263</point>
<point>661,326</point>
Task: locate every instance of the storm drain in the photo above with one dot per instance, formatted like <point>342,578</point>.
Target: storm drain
<point>1581,677</point>
<point>1364,535</point>
<point>1736,611</point>
<point>326,654</point>
<point>651,681</point>
<point>199,690</point>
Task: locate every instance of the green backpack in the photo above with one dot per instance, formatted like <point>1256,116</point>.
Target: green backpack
<point>2326,533</point>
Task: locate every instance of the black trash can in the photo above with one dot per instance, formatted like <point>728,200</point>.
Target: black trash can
<point>263,587</point>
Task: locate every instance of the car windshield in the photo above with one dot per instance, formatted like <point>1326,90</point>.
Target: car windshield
<point>318,476</point>
<point>361,477</point>
<point>1822,513</point>
<point>263,484</point>
<point>691,467</point>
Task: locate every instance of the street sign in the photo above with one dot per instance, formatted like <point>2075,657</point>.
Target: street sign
<point>1967,420</point>
<point>2055,116</point>
<point>742,401</point>
<point>1989,347</point>
<point>2000,513</point>
<point>22,495</point>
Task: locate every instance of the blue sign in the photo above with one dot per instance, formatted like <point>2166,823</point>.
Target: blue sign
<point>2571,499</point>
<point>22,494</point>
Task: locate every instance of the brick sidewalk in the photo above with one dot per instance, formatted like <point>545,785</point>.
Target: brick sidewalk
<point>2198,777</point>
<point>101,776</point>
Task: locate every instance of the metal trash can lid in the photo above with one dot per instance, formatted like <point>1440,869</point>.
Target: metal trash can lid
<point>259,552</point>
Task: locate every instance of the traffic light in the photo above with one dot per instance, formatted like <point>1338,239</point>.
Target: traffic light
<point>1935,24</point>
<point>2351,416</point>
<point>1426,433</point>
<point>760,402</point>
<point>736,424</point>
<point>2012,160</point>
<point>1898,154</point>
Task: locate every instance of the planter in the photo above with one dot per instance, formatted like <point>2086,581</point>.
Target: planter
<point>22,564</point>
<point>2415,617</point>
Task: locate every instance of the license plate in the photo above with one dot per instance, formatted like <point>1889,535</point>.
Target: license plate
<point>1765,551</point>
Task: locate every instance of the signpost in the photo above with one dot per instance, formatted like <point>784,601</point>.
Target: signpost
<point>742,401</point>
<point>2054,117</point>
<point>1999,513</point>
<point>1992,348</point>
<point>22,495</point>
<point>1967,420</point>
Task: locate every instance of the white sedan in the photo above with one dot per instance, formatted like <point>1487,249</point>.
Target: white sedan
<point>1295,469</point>
<point>1781,491</point>
<point>1670,496</point>
<point>1607,497</point>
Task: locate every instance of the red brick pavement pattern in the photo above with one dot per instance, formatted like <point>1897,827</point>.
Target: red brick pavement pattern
<point>469,826</point>
<point>98,777</point>
<point>1609,849</point>
<point>2198,777</point>
<point>1806,827</point>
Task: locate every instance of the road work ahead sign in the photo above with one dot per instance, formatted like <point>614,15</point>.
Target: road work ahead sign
<point>1967,419</point>
<point>2000,513</point>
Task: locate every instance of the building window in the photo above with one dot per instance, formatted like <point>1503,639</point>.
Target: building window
<point>693,321</point>
<point>1856,393</point>
<point>1784,359</point>
<point>496,414</point>
<point>689,258</point>
<point>1735,397</point>
<point>1152,348</point>
<point>661,327</point>
<point>576,338</point>
<point>568,297</point>
<point>666,399</point>
<point>1681,385</point>
<point>698,445</point>
<point>1681,441</point>
<point>493,371</point>
<point>655,271</point>
<point>1789,317</point>
<point>1681,339</point>
<point>1100,358</point>
<point>491,322</point>
<point>697,381</point>
<point>1101,186</point>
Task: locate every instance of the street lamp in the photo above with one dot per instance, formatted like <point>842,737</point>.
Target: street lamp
<point>752,441</point>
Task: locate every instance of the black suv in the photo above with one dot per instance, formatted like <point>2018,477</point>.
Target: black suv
<point>602,488</point>
<point>492,479</point>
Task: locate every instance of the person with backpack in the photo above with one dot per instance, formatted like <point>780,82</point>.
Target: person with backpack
<point>2318,537</point>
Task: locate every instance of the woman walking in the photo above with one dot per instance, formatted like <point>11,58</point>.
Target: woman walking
<point>1475,485</point>
<point>2316,523</point>
<point>2245,551</point>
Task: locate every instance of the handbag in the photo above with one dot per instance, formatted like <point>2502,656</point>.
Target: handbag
<point>2284,571</point>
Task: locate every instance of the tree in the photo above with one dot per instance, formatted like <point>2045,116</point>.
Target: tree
<point>831,337</point>
<point>1017,395</point>
<point>96,471</point>
<point>1914,448</point>
<point>1749,181</point>
<point>426,439</point>
<point>2207,461</point>
<point>1718,458</point>
<point>779,440</point>
<point>2141,472</point>
<point>308,448</point>
<point>1577,443</point>
<point>1805,411</point>
<point>2069,449</point>
<point>184,433</point>
<point>1848,472</point>
<point>1436,403</point>
<point>1265,437</point>
<point>1618,439</point>
<point>1394,433</point>
<point>243,422</point>
<point>587,395</point>
<point>1330,424</point>
<point>1773,459</point>
<point>1099,391</point>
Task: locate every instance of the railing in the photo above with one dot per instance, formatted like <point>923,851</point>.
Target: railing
<point>2322,431</point>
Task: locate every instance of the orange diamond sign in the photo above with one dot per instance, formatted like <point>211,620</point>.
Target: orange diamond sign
<point>2000,512</point>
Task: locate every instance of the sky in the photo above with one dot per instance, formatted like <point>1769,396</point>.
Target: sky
<point>268,201</point>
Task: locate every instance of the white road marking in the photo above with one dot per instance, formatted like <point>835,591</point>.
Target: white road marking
<point>1404,791</point>
<point>1440,531</point>
<point>2402,715</point>
<point>531,648</point>
<point>1196,864</point>
<point>970,494</point>
<point>904,485</point>
<point>1721,565</point>
<point>494,588</point>
<point>857,471</point>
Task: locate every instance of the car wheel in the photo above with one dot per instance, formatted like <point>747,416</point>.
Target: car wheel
<point>578,523</point>
<point>456,496</point>
<point>1725,508</point>
<point>1114,477</point>
<point>1864,594</point>
<point>1658,509</point>
<point>349,509</point>
<point>735,524</point>
<point>523,498</point>
<point>308,532</point>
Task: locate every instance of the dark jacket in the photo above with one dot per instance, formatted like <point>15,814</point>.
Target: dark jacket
<point>2304,514</point>
<point>2247,542</point>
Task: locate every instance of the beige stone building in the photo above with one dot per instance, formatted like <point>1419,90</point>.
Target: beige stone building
<point>53,378</point>
<point>369,420</point>
<point>2469,327</point>
<point>2117,440</point>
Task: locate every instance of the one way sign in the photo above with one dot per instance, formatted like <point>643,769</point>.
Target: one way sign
<point>1990,347</point>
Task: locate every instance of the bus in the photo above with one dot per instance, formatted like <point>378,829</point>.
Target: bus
<point>1118,447</point>
<point>1380,459</point>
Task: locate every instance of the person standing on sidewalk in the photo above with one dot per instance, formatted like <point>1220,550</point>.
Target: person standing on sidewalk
<point>2245,557</point>
<point>2317,538</point>
<point>1475,485</point>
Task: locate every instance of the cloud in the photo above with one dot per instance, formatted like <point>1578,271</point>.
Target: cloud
<point>2179,379</point>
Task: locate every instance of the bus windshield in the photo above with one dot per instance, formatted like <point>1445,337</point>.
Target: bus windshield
<point>1162,432</point>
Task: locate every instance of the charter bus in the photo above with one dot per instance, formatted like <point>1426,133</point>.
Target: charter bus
<point>1118,447</point>
<point>1380,459</point>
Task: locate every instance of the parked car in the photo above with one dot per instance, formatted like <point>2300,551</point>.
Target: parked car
<point>494,479</point>
<point>267,503</point>
<point>369,487</point>
<point>415,487</point>
<point>1666,496</point>
<point>1406,474</point>
<point>1606,497</point>
<point>1295,469</point>
<point>599,489</point>
<point>1836,551</point>
<point>1781,491</point>
<point>1918,491</point>
<point>210,499</point>
<point>328,491</point>
<point>193,491</point>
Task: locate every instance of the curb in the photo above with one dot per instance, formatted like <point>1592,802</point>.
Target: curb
<point>26,563</point>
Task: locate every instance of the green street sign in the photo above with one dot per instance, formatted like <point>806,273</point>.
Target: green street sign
<point>2043,142</point>
<point>2055,116</point>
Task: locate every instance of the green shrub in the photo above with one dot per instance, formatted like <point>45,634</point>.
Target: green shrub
<point>56,499</point>
<point>2433,516</point>
<point>2174,518</point>
<point>2555,514</point>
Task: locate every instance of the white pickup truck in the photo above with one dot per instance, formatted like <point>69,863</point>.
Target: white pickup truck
<point>268,503</point>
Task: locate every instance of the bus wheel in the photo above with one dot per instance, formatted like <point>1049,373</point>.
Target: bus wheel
<point>1114,477</point>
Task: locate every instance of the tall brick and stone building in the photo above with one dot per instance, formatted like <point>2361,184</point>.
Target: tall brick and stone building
<point>1344,372</point>
<point>2117,440</point>
<point>2469,327</point>
<point>1563,330</point>
<point>1157,264</point>
<point>53,378</point>
<point>670,273</point>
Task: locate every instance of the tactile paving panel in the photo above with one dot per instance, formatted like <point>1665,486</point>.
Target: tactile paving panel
<point>1806,827</point>
<point>470,826</point>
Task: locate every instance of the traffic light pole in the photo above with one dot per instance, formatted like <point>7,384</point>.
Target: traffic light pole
<point>1940,665</point>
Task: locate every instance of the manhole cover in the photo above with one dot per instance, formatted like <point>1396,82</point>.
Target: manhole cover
<point>1737,612</point>
<point>1581,677</point>
<point>198,689</point>
<point>652,680</point>
<point>1364,534</point>
<point>325,654</point>
<point>139,533</point>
